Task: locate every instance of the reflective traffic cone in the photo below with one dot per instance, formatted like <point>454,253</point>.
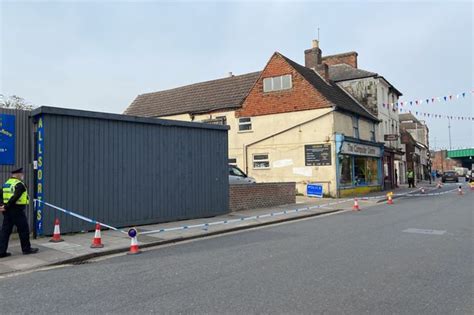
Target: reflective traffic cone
<point>389,199</point>
<point>439,185</point>
<point>97,241</point>
<point>134,246</point>
<point>56,234</point>
<point>356,205</point>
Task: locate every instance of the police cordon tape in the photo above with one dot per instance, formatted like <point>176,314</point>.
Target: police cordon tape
<point>255,217</point>
<point>80,216</point>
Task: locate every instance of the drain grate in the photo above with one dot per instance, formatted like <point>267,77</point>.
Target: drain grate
<point>81,262</point>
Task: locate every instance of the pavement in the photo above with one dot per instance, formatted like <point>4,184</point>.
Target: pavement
<point>413,257</point>
<point>76,247</point>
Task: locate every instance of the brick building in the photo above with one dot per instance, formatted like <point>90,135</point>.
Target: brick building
<point>441,162</point>
<point>288,123</point>
<point>420,133</point>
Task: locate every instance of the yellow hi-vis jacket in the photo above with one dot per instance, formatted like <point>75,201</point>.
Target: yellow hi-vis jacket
<point>9,190</point>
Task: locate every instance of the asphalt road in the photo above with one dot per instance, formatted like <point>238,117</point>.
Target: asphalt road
<point>415,257</point>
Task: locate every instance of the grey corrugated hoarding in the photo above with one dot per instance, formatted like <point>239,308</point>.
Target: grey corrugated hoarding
<point>125,170</point>
<point>22,155</point>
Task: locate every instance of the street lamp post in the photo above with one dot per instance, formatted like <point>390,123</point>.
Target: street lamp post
<point>449,131</point>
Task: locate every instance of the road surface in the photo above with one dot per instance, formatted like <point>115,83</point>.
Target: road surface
<point>414,257</point>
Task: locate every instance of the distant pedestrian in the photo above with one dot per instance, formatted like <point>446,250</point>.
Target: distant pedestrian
<point>15,200</point>
<point>411,178</point>
<point>433,174</point>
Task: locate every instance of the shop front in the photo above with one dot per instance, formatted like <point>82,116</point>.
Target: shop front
<point>359,166</point>
<point>391,169</point>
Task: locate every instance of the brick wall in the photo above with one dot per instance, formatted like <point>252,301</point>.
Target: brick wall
<point>262,195</point>
<point>349,58</point>
<point>302,96</point>
<point>442,163</point>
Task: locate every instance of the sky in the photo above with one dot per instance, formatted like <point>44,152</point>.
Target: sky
<point>99,55</point>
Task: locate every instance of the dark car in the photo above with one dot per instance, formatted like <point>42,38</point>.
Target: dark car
<point>450,176</point>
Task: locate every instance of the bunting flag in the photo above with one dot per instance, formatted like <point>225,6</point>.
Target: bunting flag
<point>433,99</point>
<point>431,115</point>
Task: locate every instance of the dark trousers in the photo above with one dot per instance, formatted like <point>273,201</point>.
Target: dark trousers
<point>411,183</point>
<point>18,218</point>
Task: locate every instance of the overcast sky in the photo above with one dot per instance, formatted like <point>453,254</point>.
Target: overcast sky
<point>100,55</point>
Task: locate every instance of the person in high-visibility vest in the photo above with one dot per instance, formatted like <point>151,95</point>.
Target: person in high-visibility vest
<point>411,178</point>
<point>14,202</point>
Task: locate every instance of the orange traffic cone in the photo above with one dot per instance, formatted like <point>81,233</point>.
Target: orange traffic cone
<point>439,185</point>
<point>97,241</point>
<point>56,234</point>
<point>389,201</point>
<point>134,246</point>
<point>356,205</point>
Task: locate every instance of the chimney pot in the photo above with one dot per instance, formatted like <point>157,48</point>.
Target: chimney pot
<point>229,74</point>
<point>315,43</point>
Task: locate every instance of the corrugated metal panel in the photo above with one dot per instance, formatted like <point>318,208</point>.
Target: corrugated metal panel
<point>460,153</point>
<point>23,153</point>
<point>125,171</point>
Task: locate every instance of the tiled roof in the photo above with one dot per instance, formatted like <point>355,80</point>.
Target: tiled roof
<point>344,72</point>
<point>229,93</point>
<point>200,97</point>
<point>331,91</point>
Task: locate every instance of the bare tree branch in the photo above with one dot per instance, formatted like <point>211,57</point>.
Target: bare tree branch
<point>15,102</point>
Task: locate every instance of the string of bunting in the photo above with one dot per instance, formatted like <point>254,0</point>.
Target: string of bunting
<point>431,115</point>
<point>428,100</point>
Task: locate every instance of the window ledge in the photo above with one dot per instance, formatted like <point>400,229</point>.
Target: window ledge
<point>244,131</point>
<point>278,91</point>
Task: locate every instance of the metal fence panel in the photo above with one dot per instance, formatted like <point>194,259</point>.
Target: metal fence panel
<point>23,153</point>
<point>127,171</point>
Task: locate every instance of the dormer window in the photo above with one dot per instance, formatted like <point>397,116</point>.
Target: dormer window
<point>279,83</point>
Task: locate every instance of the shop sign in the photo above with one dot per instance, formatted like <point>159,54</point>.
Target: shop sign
<point>39,177</point>
<point>7,139</point>
<point>359,149</point>
<point>317,154</point>
<point>390,137</point>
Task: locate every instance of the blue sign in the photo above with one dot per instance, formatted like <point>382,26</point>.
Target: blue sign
<point>39,177</point>
<point>314,190</point>
<point>7,139</point>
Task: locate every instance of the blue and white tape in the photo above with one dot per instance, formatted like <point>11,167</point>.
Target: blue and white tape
<point>255,217</point>
<point>80,216</point>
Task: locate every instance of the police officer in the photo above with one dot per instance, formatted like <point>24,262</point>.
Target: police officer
<point>15,200</point>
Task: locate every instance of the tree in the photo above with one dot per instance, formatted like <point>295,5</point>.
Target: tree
<point>14,102</point>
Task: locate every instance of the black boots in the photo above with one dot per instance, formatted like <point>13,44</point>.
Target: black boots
<point>32,250</point>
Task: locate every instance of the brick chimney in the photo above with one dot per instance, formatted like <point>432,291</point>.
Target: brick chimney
<point>323,70</point>
<point>348,58</point>
<point>312,57</point>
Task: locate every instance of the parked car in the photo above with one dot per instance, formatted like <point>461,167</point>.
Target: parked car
<point>237,176</point>
<point>450,176</point>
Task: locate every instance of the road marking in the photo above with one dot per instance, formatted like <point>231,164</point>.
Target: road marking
<point>422,231</point>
